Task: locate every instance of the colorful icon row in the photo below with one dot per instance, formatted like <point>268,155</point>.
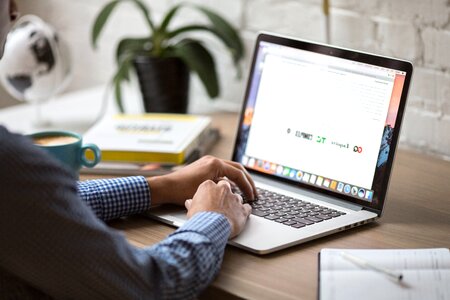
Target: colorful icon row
<point>308,178</point>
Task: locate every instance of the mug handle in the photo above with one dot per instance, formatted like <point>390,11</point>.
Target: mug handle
<point>97,155</point>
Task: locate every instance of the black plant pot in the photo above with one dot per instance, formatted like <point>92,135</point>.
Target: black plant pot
<point>164,84</point>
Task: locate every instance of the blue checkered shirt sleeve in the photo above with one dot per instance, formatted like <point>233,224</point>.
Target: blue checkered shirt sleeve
<point>187,260</point>
<point>114,198</point>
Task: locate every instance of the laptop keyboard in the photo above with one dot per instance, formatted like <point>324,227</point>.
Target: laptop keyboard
<point>290,211</point>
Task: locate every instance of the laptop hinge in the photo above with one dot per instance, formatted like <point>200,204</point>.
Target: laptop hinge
<point>304,192</point>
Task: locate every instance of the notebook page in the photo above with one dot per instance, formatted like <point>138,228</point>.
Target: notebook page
<point>426,274</point>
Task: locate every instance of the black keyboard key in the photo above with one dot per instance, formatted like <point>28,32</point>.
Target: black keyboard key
<point>314,219</point>
<point>303,221</point>
<point>323,217</point>
<point>281,220</point>
<point>271,217</point>
<point>289,223</point>
<point>298,225</point>
<point>259,213</point>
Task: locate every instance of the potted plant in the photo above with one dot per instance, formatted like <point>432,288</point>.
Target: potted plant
<point>163,59</point>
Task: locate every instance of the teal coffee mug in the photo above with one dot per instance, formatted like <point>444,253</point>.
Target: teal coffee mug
<point>68,148</point>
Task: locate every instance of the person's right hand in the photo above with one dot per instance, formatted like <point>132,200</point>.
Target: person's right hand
<point>219,198</point>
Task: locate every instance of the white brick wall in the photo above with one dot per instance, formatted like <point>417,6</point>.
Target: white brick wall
<point>417,30</point>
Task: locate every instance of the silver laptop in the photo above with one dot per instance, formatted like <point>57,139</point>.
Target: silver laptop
<point>318,133</point>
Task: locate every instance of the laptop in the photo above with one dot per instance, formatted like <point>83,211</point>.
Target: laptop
<point>318,132</point>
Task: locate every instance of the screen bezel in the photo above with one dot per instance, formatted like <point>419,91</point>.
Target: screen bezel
<point>382,61</point>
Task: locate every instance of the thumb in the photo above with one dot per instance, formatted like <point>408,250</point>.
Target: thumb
<point>247,209</point>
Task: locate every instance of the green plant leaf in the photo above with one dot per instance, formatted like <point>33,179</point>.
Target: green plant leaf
<point>187,29</point>
<point>121,75</point>
<point>146,13</point>
<point>201,62</point>
<point>118,95</point>
<point>234,51</point>
<point>168,18</point>
<point>101,19</point>
<point>225,32</point>
<point>124,67</point>
<point>105,13</point>
<point>131,46</point>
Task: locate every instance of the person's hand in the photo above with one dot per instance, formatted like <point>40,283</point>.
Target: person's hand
<point>182,184</point>
<point>219,198</point>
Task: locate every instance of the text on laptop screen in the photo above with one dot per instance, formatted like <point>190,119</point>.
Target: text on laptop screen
<point>320,120</point>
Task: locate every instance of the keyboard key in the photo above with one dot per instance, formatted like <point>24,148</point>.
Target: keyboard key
<point>323,217</point>
<point>291,222</point>
<point>314,219</point>
<point>281,220</point>
<point>303,221</point>
<point>298,225</point>
<point>259,213</point>
<point>271,217</point>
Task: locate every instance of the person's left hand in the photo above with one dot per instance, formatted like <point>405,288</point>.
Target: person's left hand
<point>182,184</point>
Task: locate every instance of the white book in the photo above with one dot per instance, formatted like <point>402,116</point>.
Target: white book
<point>162,138</point>
<point>425,274</point>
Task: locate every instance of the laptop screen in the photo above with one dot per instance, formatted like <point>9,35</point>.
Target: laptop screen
<point>321,120</point>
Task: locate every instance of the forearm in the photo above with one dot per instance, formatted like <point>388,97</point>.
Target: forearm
<point>189,259</point>
<point>114,198</point>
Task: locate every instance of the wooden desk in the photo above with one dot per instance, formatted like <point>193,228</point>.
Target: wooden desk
<point>417,214</point>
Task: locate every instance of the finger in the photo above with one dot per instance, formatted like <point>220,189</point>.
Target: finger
<point>238,176</point>
<point>239,197</point>
<point>249,178</point>
<point>247,209</point>
<point>225,183</point>
<point>188,203</point>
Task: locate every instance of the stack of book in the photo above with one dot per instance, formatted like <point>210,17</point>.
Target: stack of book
<point>149,144</point>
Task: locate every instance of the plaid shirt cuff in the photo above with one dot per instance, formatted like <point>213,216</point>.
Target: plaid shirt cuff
<point>213,225</point>
<point>114,198</point>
